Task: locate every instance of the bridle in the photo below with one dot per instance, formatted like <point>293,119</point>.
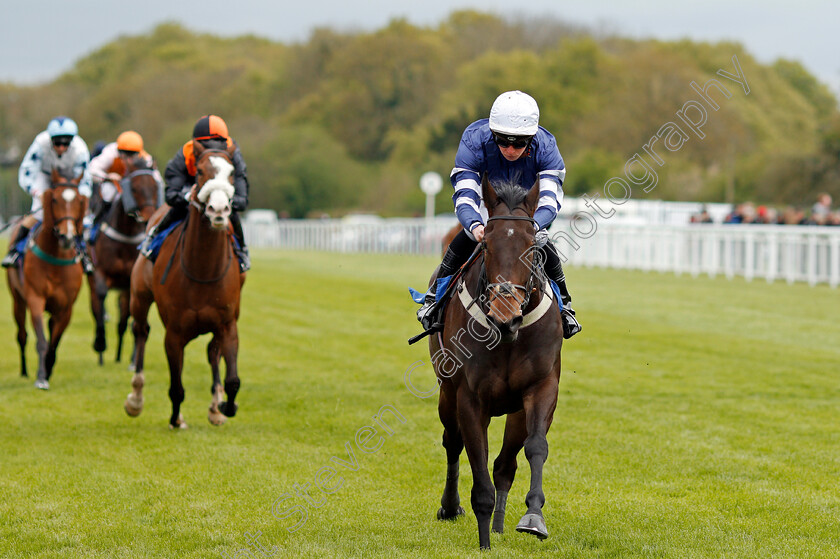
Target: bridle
<point>506,288</point>
<point>56,222</point>
<point>128,192</point>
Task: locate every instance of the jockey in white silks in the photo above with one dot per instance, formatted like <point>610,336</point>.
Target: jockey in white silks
<point>61,148</point>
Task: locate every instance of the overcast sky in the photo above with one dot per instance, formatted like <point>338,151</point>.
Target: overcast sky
<point>39,39</point>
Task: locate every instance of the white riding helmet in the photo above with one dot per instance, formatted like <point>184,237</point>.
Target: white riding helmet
<point>62,126</point>
<point>515,114</point>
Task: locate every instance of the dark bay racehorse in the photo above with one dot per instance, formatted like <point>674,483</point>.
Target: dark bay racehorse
<point>50,277</point>
<point>499,354</point>
<point>196,284</point>
<point>115,251</point>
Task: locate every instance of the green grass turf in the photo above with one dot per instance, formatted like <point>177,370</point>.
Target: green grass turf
<point>697,417</point>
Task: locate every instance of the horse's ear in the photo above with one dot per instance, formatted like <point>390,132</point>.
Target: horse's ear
<point>488,194</point>
<point>55,177</point>
<point>533,198</point>
<point>198,149</point>
<point>78,179</point>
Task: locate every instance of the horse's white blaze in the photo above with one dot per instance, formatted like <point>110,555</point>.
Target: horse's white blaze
<point>510,232</point>
<point>219,182</point>
<point>69,195</point>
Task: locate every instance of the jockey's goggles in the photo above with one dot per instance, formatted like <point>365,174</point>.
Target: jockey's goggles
<point>127,153</point>
<point>61,141</point>
<point>517,142</point>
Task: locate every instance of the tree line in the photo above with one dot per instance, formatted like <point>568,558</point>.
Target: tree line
<point>349,121</point>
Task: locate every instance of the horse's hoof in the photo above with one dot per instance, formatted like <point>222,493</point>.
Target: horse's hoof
<point>42,384</point>
<point>443,514</point>
<point>181,424</point>
<point>216,418</point>
<point>533,524</point>
<point>133,406</point>
<point>228,409</point>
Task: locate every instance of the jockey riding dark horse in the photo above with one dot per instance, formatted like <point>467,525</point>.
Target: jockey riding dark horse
<point>510,146</point>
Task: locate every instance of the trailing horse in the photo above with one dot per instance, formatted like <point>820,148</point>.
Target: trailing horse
<point>499,354</point>
<point>50,277</point>
<point>115,249</point>
<point>196,283</point>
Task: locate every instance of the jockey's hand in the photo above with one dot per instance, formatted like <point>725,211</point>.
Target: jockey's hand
<point>478,232</point>
<point>114,178</point>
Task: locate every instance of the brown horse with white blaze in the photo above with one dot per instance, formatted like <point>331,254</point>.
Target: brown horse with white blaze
<point>196,283</point>
<point>50,277</point>
<point>499,354</point>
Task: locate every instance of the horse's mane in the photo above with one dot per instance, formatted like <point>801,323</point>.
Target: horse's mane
<point>140,164</point>
<point>510,193</point>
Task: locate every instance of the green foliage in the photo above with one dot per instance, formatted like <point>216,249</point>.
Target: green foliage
<point>377,109</point>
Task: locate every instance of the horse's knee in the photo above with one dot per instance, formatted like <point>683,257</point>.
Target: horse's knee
<point>536,446</point>
<point>482,499</point>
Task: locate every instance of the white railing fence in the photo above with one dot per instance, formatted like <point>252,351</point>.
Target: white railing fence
<point>789,253</point>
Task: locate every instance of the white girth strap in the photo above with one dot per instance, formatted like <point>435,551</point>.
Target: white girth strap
<point>530,318</point>
<point>112,233</point>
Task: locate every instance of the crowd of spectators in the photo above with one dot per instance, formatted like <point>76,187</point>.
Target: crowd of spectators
<point>747,212</point>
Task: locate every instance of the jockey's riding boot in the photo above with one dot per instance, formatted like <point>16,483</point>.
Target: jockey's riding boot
<point>146,244</point>
<point>84,257</point>
<point>554,271</point>
<point>241,252</point>
<point>244,258</point>
<point>11,259</point>
<point>457,254</point>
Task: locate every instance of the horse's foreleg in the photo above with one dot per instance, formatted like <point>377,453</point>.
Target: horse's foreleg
<point>122,326</point>
<point>175,356</point>
<point>20,319</point>
<point>504,468</point>
<point>230,351</point>
<point>36,314</point>
<point>58,324</point>
<point>98,292</point>
<point>539,407</point>
<point>214,355</point>
<point>474,422</point>
<point>450,502</point>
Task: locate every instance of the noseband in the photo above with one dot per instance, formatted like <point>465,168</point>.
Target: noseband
<point>507,289</point>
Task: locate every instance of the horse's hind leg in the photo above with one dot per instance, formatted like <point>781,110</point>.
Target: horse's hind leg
<point>539,411</point>
<point>98,292</point>
<point>214,355</point>
<point>140,302</point>
<point>20,319</point>
<point>123,324</point>
<point>175,356</point>
<point>450,502</point>
<point>504,468</point>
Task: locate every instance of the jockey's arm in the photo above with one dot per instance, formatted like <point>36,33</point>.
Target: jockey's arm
<point>30,167</point>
